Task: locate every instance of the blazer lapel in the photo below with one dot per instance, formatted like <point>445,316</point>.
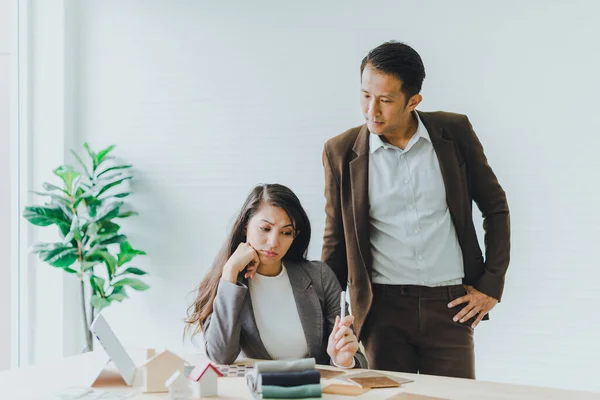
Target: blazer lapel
<point>250,326</point>
<point>450,165</point>
<point>359,178</point>
<point>309,308</point>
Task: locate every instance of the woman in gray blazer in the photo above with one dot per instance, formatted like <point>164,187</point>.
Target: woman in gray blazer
<point>264,298</point>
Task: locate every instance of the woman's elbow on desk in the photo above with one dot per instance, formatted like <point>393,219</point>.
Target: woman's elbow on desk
<point>220,357</point>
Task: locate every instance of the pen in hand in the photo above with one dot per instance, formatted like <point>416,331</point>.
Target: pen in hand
<point>342,306</point>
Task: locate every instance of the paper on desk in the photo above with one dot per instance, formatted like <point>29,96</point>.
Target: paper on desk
<point>81,393</point>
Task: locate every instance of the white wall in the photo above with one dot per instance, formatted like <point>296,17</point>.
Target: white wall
<point>6,54</point>
<point>208,98</point>
<point>48,298</point>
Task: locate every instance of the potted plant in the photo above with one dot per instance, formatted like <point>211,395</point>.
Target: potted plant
<point>85,208</point>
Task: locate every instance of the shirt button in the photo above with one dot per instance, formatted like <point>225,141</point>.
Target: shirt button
<point>416,231</point>
<point>419,258</point>
<point>406,181</point>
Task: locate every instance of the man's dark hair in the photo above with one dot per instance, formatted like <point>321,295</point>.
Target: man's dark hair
<point>399,60</point>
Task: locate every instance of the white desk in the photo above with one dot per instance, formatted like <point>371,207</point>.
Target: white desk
<point>35,381</point>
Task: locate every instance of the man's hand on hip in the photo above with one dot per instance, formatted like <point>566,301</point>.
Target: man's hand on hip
<point>477,304</point>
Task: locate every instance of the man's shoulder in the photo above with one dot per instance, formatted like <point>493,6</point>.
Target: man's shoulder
<point>344,141</point>
<point>444,117</point>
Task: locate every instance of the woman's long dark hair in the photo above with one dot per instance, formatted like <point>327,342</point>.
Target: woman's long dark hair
<point>275,195</point>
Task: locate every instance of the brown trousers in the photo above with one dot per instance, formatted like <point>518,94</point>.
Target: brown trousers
<point>410,329</point>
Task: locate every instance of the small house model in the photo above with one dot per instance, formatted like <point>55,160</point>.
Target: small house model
<point>178,387</point>
<point>158,369</point>
<point>204,377</point>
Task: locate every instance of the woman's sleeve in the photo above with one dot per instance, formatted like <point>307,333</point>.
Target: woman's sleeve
<point>222,328</point>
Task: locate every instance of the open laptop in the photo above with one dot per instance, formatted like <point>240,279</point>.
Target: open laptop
<point>115,350</point>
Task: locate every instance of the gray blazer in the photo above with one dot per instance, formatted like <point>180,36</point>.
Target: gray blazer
<point>231,327</point>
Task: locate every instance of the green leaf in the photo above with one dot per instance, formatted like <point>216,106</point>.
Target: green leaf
<point>64,230</point>
<point>110,178</point>
<point>135,284</point>
<point>92,203</point>
<point>78,200</point>
<point>92,207</point>
<point>60,256</point>
<point>68,175</point>
<point>56,200</point>
<point>97,284</point>
<point>105,257</point>
<point>74,231</point>
<point>122,195</point>
<point>114,239</point>
<point>119,289</point>
<point>107,226</point>
<point>127,213</point>
<point>92,155</point>
<point>76,184</point>
<point>117,297</point>
<point>82,164</point>
<point>45,216</point>
<point>91,231</point>
<point>117,167</point>
<point>113,184</point>
<point>99,303</point>
<point>69,237</point>
<point>56,197</point>
<point>66,209</point>
<point>39,247</point>
<point>109,238</point>
<point>118,294</point>
<point>87,265</point>
<point>103,153</point>
<point>134,271</point>
<point>50,187</point>
<point>127,253</point>
<point>108,211</point>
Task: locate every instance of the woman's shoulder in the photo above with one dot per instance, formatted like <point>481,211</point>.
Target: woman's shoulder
<point>315,269</point>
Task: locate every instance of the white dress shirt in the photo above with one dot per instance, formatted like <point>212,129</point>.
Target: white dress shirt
<point>277,316</point>
<point>413,240</point>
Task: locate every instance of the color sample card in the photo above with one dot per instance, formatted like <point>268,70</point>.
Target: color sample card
<point>371,374</point>
<point>344,390</point>
<point>329,374</point>
<point>374,382</point>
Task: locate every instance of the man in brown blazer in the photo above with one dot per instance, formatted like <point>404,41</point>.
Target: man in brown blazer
<point>399,229</point>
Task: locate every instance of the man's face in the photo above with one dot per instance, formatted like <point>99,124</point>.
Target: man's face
<point>382,102</point>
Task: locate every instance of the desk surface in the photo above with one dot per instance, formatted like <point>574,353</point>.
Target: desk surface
<point>41,381</point>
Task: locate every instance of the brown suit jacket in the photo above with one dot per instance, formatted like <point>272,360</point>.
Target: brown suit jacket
<point>467,178</point>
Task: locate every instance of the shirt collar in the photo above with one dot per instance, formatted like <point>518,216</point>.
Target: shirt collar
<point>375,141</point>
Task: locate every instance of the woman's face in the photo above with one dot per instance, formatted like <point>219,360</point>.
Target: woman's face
<point>271,233</point>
